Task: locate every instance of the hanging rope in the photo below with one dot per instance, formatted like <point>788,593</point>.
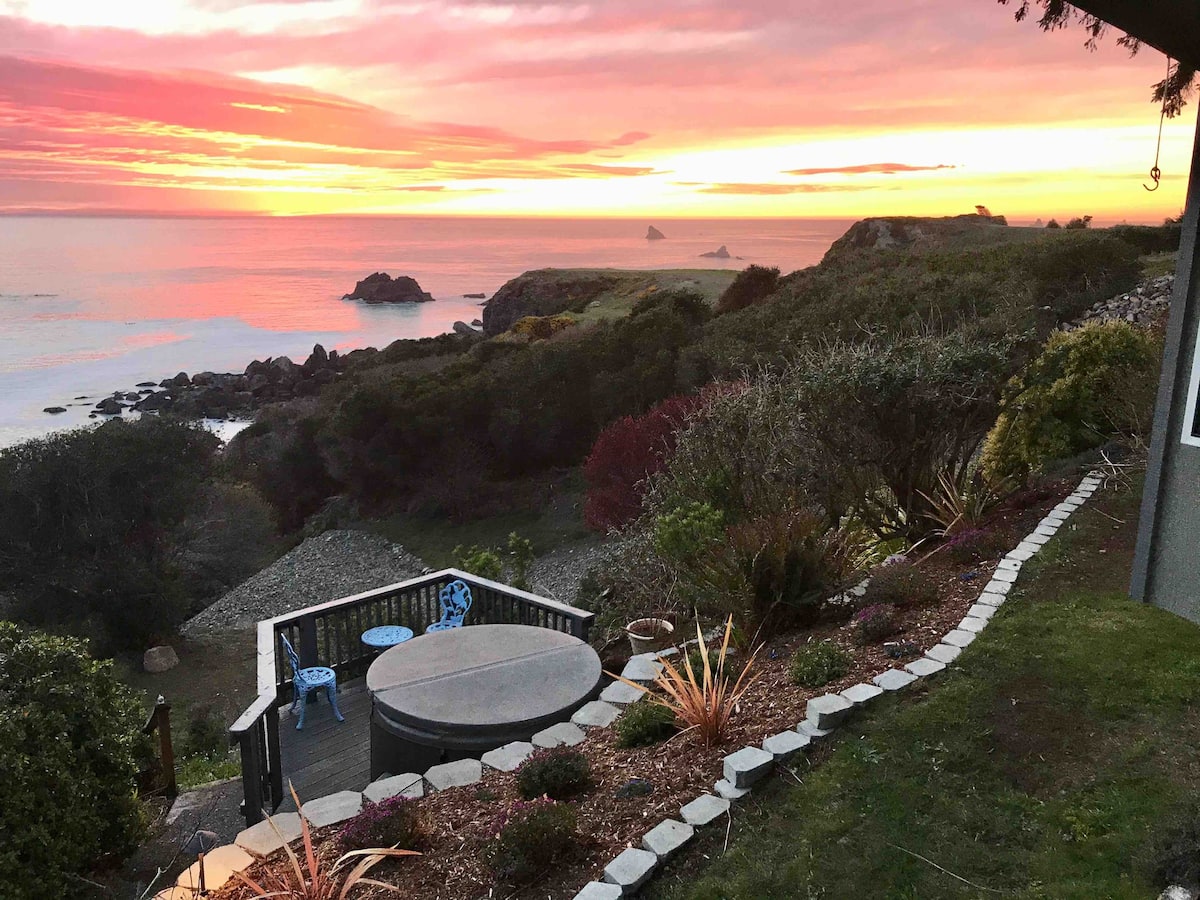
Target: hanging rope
<point>1155,171</point>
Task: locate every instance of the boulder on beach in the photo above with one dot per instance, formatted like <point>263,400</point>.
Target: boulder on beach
<point>155,402</point>
<point>720,253</point>
<point>653,234</point>
<point>464,328</point>
<point>382,288</point>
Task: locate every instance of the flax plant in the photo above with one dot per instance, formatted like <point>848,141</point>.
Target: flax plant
<point>311,881</point>
<point>704,702</point>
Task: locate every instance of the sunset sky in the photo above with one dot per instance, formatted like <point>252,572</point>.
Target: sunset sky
<point>566,107</point>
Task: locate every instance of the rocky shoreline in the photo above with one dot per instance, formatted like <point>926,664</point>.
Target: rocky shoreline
<point>239,396</point>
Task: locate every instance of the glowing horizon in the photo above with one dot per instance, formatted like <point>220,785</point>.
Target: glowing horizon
<point>776,109</point>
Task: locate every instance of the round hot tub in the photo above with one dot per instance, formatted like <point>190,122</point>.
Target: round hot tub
<point>459,693</point>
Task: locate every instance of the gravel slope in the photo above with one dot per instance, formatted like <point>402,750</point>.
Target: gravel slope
<point>331,565</point>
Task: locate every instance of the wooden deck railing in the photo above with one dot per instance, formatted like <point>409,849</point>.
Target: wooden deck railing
<point>329,635</point>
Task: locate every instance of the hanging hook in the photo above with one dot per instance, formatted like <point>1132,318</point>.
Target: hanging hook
<point>1156,176</point>
<point>1155,171</point>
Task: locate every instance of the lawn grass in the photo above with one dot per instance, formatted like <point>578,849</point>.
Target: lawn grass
<point>1040,766</point>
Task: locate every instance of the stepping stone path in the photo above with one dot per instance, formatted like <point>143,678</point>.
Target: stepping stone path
<point>508,757</point>
<point>408,785</point>
<point>332,808</point>
<point>562,734</point>
<point>454,774</point>
<point>642,670</point>
<point>261,839</point>
<point>620,692</point>
<point>596,714</point>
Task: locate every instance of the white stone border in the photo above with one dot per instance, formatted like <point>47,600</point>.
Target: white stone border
<point>741,770</point>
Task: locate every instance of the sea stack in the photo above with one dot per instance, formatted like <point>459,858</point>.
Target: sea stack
<point>720,253</point>
<point>382,288</point>
<point>653,234</point>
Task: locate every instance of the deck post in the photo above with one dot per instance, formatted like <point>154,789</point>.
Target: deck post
<point>252,781</point>
<point>274,765</point>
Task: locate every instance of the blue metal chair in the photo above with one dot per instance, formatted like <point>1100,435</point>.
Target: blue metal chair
<point>455,599</point>
<point>312,678</point>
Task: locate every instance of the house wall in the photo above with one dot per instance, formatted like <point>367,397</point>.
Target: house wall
<point>1166,570</point>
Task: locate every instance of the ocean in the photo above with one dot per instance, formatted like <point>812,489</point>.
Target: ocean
<point>89,306</point>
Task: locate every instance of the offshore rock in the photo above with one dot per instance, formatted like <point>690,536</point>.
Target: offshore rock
<point>720,253</point>
<point>653,234</point>
<point>382,288</point>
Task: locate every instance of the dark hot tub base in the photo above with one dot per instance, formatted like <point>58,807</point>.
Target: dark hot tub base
<point>397,748</point>
<point>458,694</point>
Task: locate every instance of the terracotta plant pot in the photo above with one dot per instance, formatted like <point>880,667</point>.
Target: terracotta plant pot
<point>649,634</point>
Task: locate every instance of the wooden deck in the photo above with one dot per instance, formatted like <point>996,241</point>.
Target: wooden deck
<point>328,755</point>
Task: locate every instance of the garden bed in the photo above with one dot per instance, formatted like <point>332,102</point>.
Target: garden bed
<point>461,822</point>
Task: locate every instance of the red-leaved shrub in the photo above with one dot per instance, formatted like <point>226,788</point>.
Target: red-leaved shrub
<point>625,454</point>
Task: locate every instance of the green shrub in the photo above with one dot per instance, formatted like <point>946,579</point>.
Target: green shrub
<point>901,585</point>
<point>520,554</point>
<point>90,526</point>
<point>1086,387</point>
<point>645,723</point>
<point>684,533</point>
<point>752,285</point>
<point>530,836</point>
<point>874,623</point>
<point>816,664</point>
<point>479,561</point>
<point>69,748</point>
<point>790,563</point>
<point>558,772</point>
<point>392,822</point>
<point>206,733</point>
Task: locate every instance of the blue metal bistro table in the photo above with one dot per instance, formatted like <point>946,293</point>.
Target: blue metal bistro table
<point>384,636</point>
